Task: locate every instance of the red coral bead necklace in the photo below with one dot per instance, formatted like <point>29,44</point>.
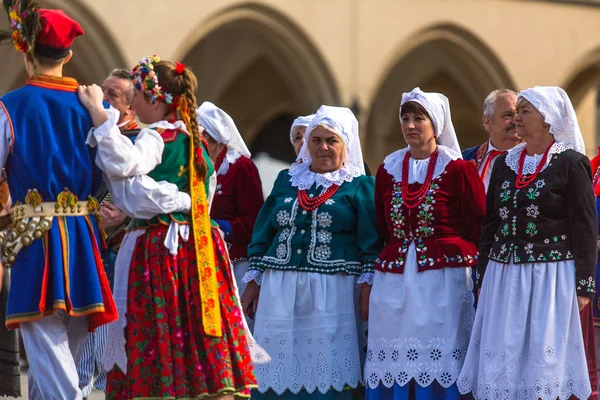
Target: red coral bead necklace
<point>414,199</point>
<point>522,181</point>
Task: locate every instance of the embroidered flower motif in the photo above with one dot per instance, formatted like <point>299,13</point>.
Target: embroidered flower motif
<point>457,354</point>
<point>283,218</point>
<point>533,193</point>
<point>281,251</point>
<point>396,212</point>
<point>529,248</point>
<point>540,184</point>
<point>533,211</point>
<point>505,185</point>
<point>505,230</point>
<point>503,212</point>
<point>323,252</point>
<point>324,220</point>
<point>446,378</point>
<point>436,354</point>
<point>531,229</point>
<point>588,285</point>
<point>412,354</point>
<point>402,378</point>
<point>505,195</point>
<point>284,235</point>
<point>330,202</point>
<point>324,236</point>
<point>423,378</point>
<point>288,200</point>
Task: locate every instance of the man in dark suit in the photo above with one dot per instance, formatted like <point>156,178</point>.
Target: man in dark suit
<point>499,108</point>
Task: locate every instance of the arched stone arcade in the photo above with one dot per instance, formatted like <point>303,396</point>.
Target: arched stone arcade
<point>443,58</point>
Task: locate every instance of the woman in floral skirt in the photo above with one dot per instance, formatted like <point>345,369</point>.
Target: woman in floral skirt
<point>184,332</point>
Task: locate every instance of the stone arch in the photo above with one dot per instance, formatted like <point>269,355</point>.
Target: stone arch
<point>95,53</point>
<point>259,66</point>
<point>582,83</point>
<point>443,58</point>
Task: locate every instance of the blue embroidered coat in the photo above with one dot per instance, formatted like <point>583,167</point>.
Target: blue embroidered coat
<point>62,270</point>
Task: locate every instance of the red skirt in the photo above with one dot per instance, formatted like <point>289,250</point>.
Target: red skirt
<point>168,353</point>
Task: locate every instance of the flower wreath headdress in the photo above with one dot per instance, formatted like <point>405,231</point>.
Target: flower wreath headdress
<point>24,21</point>
<point>146,79</point>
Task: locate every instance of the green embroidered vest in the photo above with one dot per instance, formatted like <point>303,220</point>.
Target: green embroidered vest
<point>174,168</point>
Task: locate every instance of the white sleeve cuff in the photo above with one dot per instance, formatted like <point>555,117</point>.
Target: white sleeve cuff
<point>96,135</point>
<point>185,202</point>
<point>253,275</point>
<point>367,278</point>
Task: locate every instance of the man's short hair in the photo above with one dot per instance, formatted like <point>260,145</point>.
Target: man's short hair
<point>48,62</point>
<point>489,105</point>
<point>122,73</point>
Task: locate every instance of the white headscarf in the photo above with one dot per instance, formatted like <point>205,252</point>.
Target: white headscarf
<point>220,126</point>
<point>438,108</point>
<point>556,108</point>
<point>343,122</point>
<point>300,121</point>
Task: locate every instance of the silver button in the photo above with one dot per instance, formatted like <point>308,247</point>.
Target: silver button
<point>311,195</point>
<point>304,212</point>
<point>303,231</point>
<point>299,251</point>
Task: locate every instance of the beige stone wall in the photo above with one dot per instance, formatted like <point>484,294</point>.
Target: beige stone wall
<point>270,59</point>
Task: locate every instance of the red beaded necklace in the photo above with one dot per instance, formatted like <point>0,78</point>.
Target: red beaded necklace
<point>523,182</point>
<point>412,200</point>
<point>311,204</point>
<point>220,159</point>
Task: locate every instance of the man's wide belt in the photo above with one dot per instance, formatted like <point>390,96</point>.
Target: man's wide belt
<point>48,209</point>
<point>30,221</point>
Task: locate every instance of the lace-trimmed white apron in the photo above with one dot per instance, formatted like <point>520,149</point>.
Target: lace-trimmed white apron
<point>527,341</point>
<point>419,325</point>
<point>306,321</point>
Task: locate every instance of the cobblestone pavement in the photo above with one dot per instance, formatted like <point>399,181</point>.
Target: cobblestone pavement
<point>96,394</point>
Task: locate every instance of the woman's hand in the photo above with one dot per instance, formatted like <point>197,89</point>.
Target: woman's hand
<point>250,299</point>
<point>91,97</point>
<point>363,300</point>
<point>582,302</point>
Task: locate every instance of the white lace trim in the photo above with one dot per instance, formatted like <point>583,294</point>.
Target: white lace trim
<point>253,275</point>
<point>531,162</point>
<point>313,360</point>
<point>543,389</point>
<point>231,157</point>
<point>303,178</point>
<point>401,360</point>
<point>367,278</point>
<point>393,164</point>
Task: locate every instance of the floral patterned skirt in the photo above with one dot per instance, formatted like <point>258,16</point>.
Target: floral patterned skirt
<point>169,355</point>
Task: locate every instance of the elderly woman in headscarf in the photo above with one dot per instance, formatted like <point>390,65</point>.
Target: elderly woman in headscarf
<point>538,255</point>
<point>297,131</point>
<point>238,196</point>
<point>430,204</point>
<point>313,238</point>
